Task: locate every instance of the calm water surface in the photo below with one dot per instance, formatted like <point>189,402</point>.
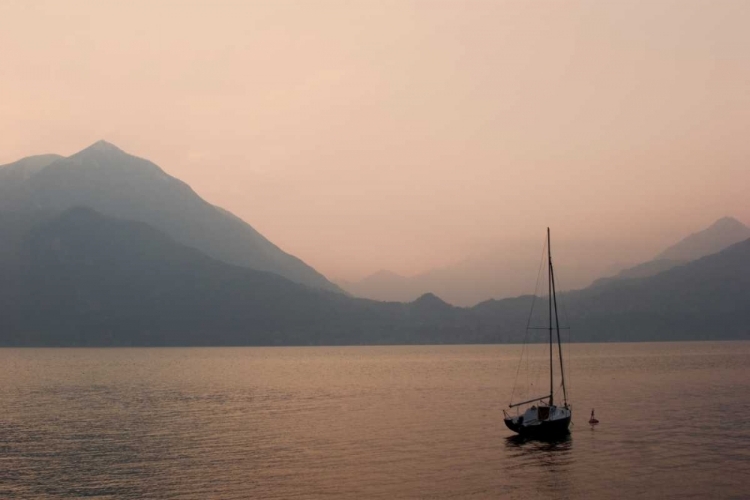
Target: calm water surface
<point>368,422</point>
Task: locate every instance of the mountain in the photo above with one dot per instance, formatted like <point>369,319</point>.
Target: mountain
<point>88,279</point>
<point>15,174</point>
<point>718,236</point>
<point>384,285</point>
<point>508,270</point>
<point>120,185</point>
<point>701,300</point>
<point>505,273</point>
<point>643,270</point>
<point>78,277</point>
<point>706,299</point>
<point>82,278</point>
<point>26,167</point>
<point>649,268</point>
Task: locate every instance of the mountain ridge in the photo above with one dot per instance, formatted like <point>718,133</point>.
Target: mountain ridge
<point>721,234</point>
<point>116,183</point>
<point>79,277</point>
<point>504,274</point>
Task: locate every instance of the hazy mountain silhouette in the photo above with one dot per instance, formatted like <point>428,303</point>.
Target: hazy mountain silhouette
<point>154,264</point>
<point>121,185</point>
<point>718,236</point>
<point>26,167</point>
<point>87,279</point>
<point>507,271</point>
<point>704,299</point>
<point>82,278</point>
<point>649,268</point>
<point>385,286</point>
<point>13,175</point>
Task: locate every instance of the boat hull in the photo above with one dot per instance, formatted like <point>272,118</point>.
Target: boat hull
<point>546,429</point>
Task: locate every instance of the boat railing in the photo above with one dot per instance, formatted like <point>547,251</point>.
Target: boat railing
<point>540,398</point>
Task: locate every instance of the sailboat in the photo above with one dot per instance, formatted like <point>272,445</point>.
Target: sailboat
<point>545,418</point>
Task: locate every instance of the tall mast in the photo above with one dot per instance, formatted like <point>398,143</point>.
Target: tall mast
<point>557,324</point>
<point>549,280</point>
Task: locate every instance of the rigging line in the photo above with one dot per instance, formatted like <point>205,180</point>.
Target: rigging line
<point>528,321</point>
<point>568,347</point>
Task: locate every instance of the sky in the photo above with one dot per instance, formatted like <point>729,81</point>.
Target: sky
<point>404,135</point>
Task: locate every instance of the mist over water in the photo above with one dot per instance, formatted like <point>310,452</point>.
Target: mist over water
<point>375,422</point>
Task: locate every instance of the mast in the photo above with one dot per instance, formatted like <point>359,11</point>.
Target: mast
<point>551,291</point>
<point>557,325</point>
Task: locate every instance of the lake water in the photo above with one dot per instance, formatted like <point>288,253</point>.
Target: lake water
<point>369,422</point>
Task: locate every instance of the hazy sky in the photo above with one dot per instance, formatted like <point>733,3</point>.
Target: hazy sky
<point>361,135</point>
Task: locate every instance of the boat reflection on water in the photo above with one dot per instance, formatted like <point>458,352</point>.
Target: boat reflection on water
<point>560,447</point>
<point>548,463</point>
<point>561,443</point>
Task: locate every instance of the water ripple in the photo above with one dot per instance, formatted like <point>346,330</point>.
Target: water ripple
<point>379,422</point>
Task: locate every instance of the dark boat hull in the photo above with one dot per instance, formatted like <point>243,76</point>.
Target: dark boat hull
<point>546,429</point>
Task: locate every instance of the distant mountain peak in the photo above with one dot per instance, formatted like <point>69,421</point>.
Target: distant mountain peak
<point>722,233</point>
<point>105,156</point>
<point>383,274</point>
<point>102,145</point>
<point>100,150</point>
<point>118,184</point>
<point>727,223</point>
<point>431,300</point>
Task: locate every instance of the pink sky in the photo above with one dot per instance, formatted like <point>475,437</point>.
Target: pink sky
<point>361,135</point>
